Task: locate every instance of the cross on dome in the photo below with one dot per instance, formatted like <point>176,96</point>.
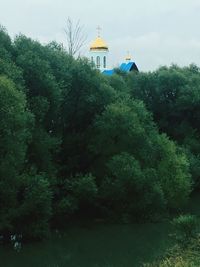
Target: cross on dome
<point>99,29</point>
<point>99,43</point>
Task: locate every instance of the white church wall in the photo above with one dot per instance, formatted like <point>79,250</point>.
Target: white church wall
<point>101,57</point>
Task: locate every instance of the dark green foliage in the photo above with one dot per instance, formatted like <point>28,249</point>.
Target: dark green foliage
<point>14,134</point>
<point>77,192</point>
<point>172,95</point>
<point>185,229</point>
<point>43,95</point>
<point>130,151</point>
<point>35,209</point>
<point>5,45</point>
<point>84,188</point>
<point>131,190</point>
<point>73,142</point>
<point>86,96</point>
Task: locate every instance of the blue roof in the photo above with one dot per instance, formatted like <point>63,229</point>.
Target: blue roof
<point>108,72</point>
<point>126,67</point>
<point>122,66</point>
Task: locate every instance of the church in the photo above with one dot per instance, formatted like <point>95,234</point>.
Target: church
<point>98,55</point>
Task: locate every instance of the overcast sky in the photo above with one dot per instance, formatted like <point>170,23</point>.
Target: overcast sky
<point>156,32</point>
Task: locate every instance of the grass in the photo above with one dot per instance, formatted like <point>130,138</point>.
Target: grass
<point>180,257</point>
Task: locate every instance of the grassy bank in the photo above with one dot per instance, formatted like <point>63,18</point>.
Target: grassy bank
<point>186,252</point>
<point>178,257</point>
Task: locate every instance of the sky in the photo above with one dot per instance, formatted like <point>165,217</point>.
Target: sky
<point>155,32</point>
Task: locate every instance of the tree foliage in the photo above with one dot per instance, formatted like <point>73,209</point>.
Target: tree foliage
<point>73,142</point>
<point>172,96</point>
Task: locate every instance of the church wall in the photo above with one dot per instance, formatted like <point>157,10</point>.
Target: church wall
<point>98,57</point>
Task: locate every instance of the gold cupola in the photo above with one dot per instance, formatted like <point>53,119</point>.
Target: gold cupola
<point>98,44</point>
<point>99,52</point>
<point>128,57</point>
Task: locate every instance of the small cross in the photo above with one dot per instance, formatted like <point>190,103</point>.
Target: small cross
<point>99,31</point>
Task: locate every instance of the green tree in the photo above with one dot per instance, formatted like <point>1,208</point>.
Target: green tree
<point>86,96</point>
<point>130,189</point>
<point>14,135</point>
<point>43,95</point>
<point>35,205</point>
<point>172,95</point>
<point>127,127</point>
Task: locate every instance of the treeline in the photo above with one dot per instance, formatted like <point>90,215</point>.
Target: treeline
<point>76,143</point>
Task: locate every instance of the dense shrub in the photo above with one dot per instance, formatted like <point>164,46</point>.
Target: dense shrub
<point>185,229</point>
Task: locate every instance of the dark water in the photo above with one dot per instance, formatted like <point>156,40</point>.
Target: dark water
<point>96,246</point>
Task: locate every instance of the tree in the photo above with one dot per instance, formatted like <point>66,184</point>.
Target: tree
<point>73,141</point>
<point>76,38</point>
<point>172,95</point>
<point>131,189</point>
<point>14,135</point>
<point>43,96</point>
<point>5,44</point>
<point>124,139</point>
<point>35,208</point>
<point>86,95</point>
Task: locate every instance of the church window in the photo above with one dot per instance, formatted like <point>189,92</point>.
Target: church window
<point>98,62</point>
<point>104,61</point>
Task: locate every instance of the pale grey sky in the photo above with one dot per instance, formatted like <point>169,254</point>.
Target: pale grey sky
<point>156,32</point>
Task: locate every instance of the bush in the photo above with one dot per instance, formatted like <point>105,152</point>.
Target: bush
<point>35,210</point>
<point>131,189</point>
<point>84,188</point>
<point>180,257</point>
<point>77,192</point>
<point>185,229</point>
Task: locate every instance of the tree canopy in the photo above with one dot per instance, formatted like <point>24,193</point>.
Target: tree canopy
<point>74,142</point>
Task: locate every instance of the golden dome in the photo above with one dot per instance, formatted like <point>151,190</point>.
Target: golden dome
<point>128,57</point>
<point>99,44</point>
